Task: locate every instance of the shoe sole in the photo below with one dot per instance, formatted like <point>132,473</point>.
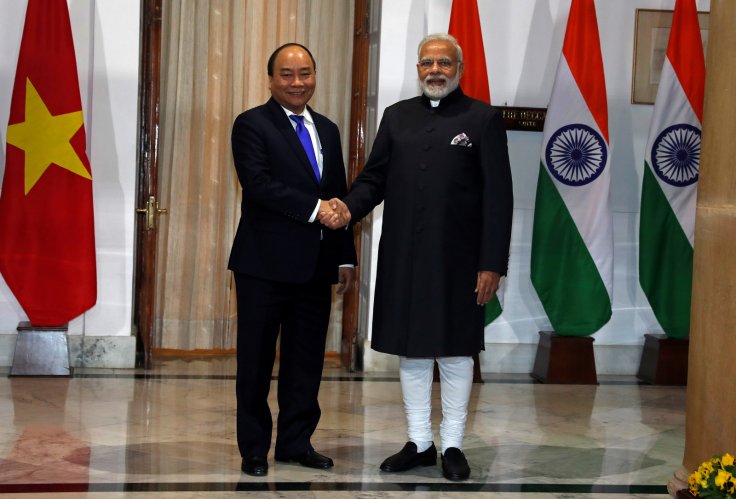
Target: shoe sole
<point>456,477</point>
<point>294,461</point>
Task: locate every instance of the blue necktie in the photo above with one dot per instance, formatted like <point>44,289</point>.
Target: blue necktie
<point>306,140</point>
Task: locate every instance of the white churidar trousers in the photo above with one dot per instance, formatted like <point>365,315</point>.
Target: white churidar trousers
<point>456,380</point>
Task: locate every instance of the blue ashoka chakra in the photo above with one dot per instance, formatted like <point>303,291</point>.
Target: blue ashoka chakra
<point>576,154</point>
<point>676,155</point>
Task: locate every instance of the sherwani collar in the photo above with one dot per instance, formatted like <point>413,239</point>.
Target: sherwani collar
<point>453,97</point>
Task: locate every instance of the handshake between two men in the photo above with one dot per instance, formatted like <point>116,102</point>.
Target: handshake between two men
<point>333,213</point>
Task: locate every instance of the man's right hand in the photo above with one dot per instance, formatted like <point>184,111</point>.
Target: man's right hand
<point>333,213</point>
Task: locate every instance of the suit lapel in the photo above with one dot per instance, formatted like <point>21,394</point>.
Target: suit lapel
<point>284,126</point>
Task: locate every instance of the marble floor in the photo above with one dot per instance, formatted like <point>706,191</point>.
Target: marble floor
<point>170,432</point>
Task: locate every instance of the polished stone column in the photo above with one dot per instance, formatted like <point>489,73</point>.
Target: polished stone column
<point>711,396</point>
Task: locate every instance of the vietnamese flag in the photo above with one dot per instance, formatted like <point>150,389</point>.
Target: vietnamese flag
<point>47,246</point>
<point>465,27</point>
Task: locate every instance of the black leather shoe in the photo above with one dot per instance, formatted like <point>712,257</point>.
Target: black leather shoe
<point>310,459</point>
<point>254,466</point>
<point>408,458</point>
<point>454,465</point>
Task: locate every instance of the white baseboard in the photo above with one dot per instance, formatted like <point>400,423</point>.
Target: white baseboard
<point>519,358</point>
<point>119,352</point>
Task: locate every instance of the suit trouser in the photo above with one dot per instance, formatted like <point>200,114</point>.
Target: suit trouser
<point>456,381</point>
<point>301,313</point>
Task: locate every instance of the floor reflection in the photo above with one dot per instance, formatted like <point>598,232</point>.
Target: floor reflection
<point>171,432</point>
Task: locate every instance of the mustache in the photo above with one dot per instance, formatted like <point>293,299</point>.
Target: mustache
<point>435,77</point>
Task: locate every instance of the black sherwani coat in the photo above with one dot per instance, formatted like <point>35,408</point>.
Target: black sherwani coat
<point>444,176</point>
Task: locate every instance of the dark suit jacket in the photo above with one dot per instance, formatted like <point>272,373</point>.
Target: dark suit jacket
<point>275,240</point>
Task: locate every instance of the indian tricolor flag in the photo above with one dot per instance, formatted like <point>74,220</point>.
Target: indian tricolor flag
<point>465,27</point>
<point>572,247</point>
<point>671,167</point>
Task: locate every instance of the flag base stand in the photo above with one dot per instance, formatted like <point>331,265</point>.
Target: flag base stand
<point>663,360</point>
<point>564,360</point>
<point>41,351</point>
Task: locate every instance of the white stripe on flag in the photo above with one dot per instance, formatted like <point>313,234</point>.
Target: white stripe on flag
<point>677,110</point>
<point>589,205</point>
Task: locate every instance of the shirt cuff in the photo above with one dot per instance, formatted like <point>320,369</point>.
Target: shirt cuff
<point>314,213</point>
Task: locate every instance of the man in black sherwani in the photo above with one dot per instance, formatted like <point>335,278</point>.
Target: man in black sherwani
<point>440,164</point>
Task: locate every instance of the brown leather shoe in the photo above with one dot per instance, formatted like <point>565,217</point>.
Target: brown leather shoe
<point>408,458</point>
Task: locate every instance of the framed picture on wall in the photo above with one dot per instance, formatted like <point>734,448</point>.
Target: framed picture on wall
<point>651,34</point>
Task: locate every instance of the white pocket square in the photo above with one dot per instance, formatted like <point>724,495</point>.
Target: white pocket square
<point>461,140</point>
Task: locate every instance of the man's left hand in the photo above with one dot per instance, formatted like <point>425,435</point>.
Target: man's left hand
<point>345,279</point>
<point>487,286</point>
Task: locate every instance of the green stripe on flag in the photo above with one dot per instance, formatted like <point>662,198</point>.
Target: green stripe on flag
<point>562,271</point>
<point>665,260</point>
<point>492,310</point>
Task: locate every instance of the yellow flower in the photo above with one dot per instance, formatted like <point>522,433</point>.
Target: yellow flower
<point>723,478</point>
<point>705,469</point>
<point>714,478</point>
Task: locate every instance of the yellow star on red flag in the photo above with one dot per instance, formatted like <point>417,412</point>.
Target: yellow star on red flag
<point>45,139</point>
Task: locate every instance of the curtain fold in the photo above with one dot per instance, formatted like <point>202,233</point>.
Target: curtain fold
<point>213,67</point>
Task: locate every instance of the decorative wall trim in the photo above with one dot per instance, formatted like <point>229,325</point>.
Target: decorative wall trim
<point>511,358</point>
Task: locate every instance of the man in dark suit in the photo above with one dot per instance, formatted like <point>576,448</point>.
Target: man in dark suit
<point>440,164</point>
<point>288,159</point>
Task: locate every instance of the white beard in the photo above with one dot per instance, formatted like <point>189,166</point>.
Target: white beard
<point>436,92</point>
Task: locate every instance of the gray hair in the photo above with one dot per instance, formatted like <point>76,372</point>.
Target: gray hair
<point>441,37</point>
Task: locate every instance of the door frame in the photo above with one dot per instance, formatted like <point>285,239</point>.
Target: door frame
<point>349,347</point>
<point>146,234</point>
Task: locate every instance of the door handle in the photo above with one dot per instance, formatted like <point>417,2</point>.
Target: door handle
<point>151,210</point>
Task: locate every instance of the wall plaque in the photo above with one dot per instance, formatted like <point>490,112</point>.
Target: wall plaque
<point>528,119</point>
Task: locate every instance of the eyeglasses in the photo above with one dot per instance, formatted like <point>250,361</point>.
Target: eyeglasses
<point>442,63</point>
